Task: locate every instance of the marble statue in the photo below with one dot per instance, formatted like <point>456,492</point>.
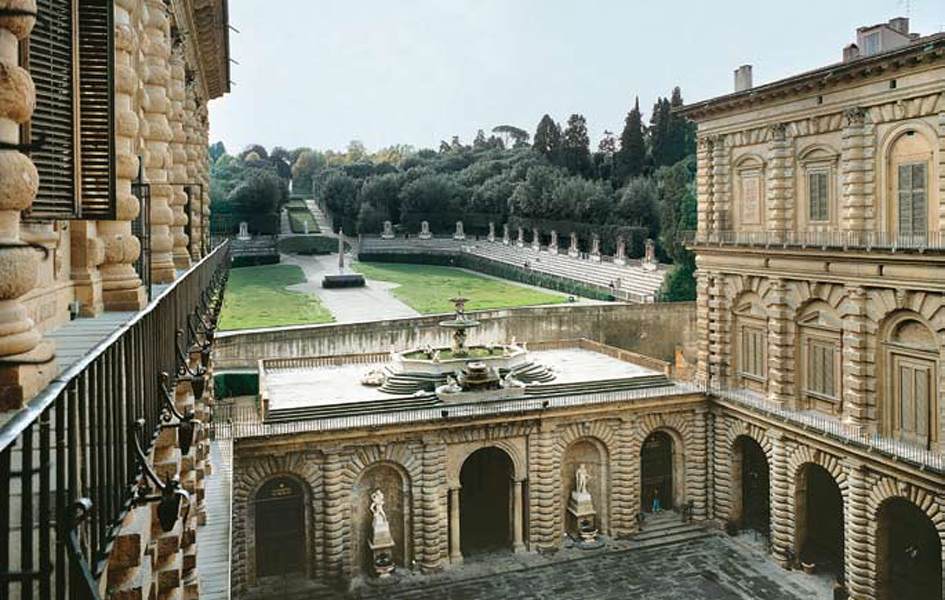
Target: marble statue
<point>244,231</point>
<point>581,477</point>
<point>388,231</point>
<point>460,233</point>
<point>505,234</point>
<point>491,231</point>
<point>377,509</point>
<point>425,230</point>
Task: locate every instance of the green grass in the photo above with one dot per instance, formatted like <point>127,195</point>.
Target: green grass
<point>428,288</point>
<point>297,219</point>
<point>256,297</point>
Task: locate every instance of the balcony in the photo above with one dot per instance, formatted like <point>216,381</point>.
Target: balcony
<point>73,460</point>
<point>831,240</point>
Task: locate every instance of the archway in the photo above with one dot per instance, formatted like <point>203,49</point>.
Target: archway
<point>656,472</point>
<point>486,501</point>
<point>280,528</point>
<point>751,490</point>
<point>909,553</point>
<point>819,519</point>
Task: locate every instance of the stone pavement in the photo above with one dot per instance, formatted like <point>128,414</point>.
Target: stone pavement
<point>711,568</point>
<point>348,305</point>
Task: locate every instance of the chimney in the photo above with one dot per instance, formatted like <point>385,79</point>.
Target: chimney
<point>900,24</point>
<point>743,78</point>
<point>851,52</point>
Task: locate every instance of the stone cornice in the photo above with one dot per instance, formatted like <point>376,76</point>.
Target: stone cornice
<point>920,52</point>
<point>205,28</point>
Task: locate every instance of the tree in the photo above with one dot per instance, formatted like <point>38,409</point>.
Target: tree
<point>216,151</point>
<point>356,152</point>
<point>632,154</point>
<point>548,138</point>
<point>437,198</point>
<point>340,193</point>
<point>518,136</point>
<point>383,192</point>
<point>575,146</point>
<point>259,151</point>
<point>681,131</point>
<point>282,161</point>
<point>660,142</point>
<point>308,163</point>
<point>480,142</point>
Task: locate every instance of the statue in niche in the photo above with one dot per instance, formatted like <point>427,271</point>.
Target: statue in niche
<point>580,477</point>
<point>377,509</point>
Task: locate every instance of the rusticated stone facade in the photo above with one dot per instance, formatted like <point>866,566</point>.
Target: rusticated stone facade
<point>54,267</point>
<point>820,259</point>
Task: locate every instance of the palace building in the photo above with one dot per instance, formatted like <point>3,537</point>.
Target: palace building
<point>109,292</point>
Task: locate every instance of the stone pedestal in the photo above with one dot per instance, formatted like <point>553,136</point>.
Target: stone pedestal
<point>536,240</point>
<point>505,234</point>
<point>520,240</point>
<point>88,252</point>
<point>425,231</point>
<point>595,248</point>
<point>460,232</point>
<point>582,516</point>
<point>491,231</point>
<point>573,248</point>
<point>382,545</point>
<point>620,258</point>
<point>388,233</point>
<point>553,243</point>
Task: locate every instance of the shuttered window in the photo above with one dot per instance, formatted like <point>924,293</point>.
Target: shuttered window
<point>753,352</point>
<point>97,108</point>
<point>821,368</point>
<point>914,390</point>
<point>912,199</point>
<point>818,198</point>
<point>49,54</point>
<point>71,47</point>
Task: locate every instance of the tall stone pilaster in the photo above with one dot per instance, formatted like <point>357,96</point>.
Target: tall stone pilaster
<point>178,171</point>
<point>158,134</point>
<point>337,511</point>
<point>702,327</point>
<point>625,481</point>
<point>721,185</point>
<point>433,502</point>
<point>696,481</point>
<point>857,212</point>
<point>780,180</point>
<point>706,203</point>
<point>26,361</point>
<point>782,513</point>
<point>719,334</point>
<point>858,362</point>
<point>780,346</point>
<point>859,557</point>
<point>203,131</point>
<point>121,284</point>
<point>192,147</point>
<point>544,528</point>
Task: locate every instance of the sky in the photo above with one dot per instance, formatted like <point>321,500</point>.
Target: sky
<point>321,73</point>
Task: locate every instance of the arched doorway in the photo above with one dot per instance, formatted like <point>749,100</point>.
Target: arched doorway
<point>909,553</point>
<point>656,472</point>
<point>485,501</point>
<point>752,497</point>
<point>819,519</point>
<point>280,528</point>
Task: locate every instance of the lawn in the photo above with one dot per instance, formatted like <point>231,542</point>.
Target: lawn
<point>298,217</point>
<point>428,289</point>
<point>256,297</point>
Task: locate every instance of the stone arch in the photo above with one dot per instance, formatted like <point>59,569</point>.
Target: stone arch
<point>804,293</point>
<point>249,478</point>
<point>396,484</point>
<point>519,466</point>
<point>738,428</point>
<point>750,485</point>
<point>818,150</point>
<point>882,493</point>
<point>591,448</point>
<point>799,466</point>
<point>403,458</point>
<point>818,350</point>
<point>679,428</point>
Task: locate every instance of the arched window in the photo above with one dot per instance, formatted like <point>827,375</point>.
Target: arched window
<point>911,206</point>
<point>751,342</point>
<point>911,391</point>
<point>819,343</point>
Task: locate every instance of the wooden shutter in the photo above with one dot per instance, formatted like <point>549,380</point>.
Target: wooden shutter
<point>48,57</point>
<point>97,108</point>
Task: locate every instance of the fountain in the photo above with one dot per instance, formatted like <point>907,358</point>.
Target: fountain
<point>461,372</point>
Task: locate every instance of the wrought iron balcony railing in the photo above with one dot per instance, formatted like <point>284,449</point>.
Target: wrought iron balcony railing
<point>69,459</point>
<point>869,241</point>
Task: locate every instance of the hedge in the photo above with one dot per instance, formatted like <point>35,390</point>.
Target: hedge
<point>491,267</point>
<point>254,261</point>
<point>229,385</point>
<point>309,245</point>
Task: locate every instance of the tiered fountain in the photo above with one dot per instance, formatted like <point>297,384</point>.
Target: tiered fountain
<point>461,373</point>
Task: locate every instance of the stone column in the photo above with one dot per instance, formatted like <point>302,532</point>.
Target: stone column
<point>178,172</point>
<point>87,252</point>
<point>25,359</point>
<point>157,53</point>
<point>705,201</point>
<point>780,346</point>
<point>192,148</point>
<point>625,480</point>
<point>703,302</point>
<point>780,180</point>
<point>121,285</point>
<point>433,519</point>
<point>204,135</point>
<point>456,553</point>
<point>721,217</point>
<point>859,557</point>
<point>518,502</point>
<point>858,362</point>
<point>782,514</point>
<point>544,522</point>
<point>857,212</point>
<point>696,482</point>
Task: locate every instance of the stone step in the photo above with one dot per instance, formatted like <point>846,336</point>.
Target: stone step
<point>612,385</point>
<point>353,408</point>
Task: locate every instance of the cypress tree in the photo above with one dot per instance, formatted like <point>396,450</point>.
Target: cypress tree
<point>575,146</point>
<point>632,154</point>
<point>548,138</point>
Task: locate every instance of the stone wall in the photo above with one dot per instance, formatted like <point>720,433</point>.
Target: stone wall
<point>651,329</point>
